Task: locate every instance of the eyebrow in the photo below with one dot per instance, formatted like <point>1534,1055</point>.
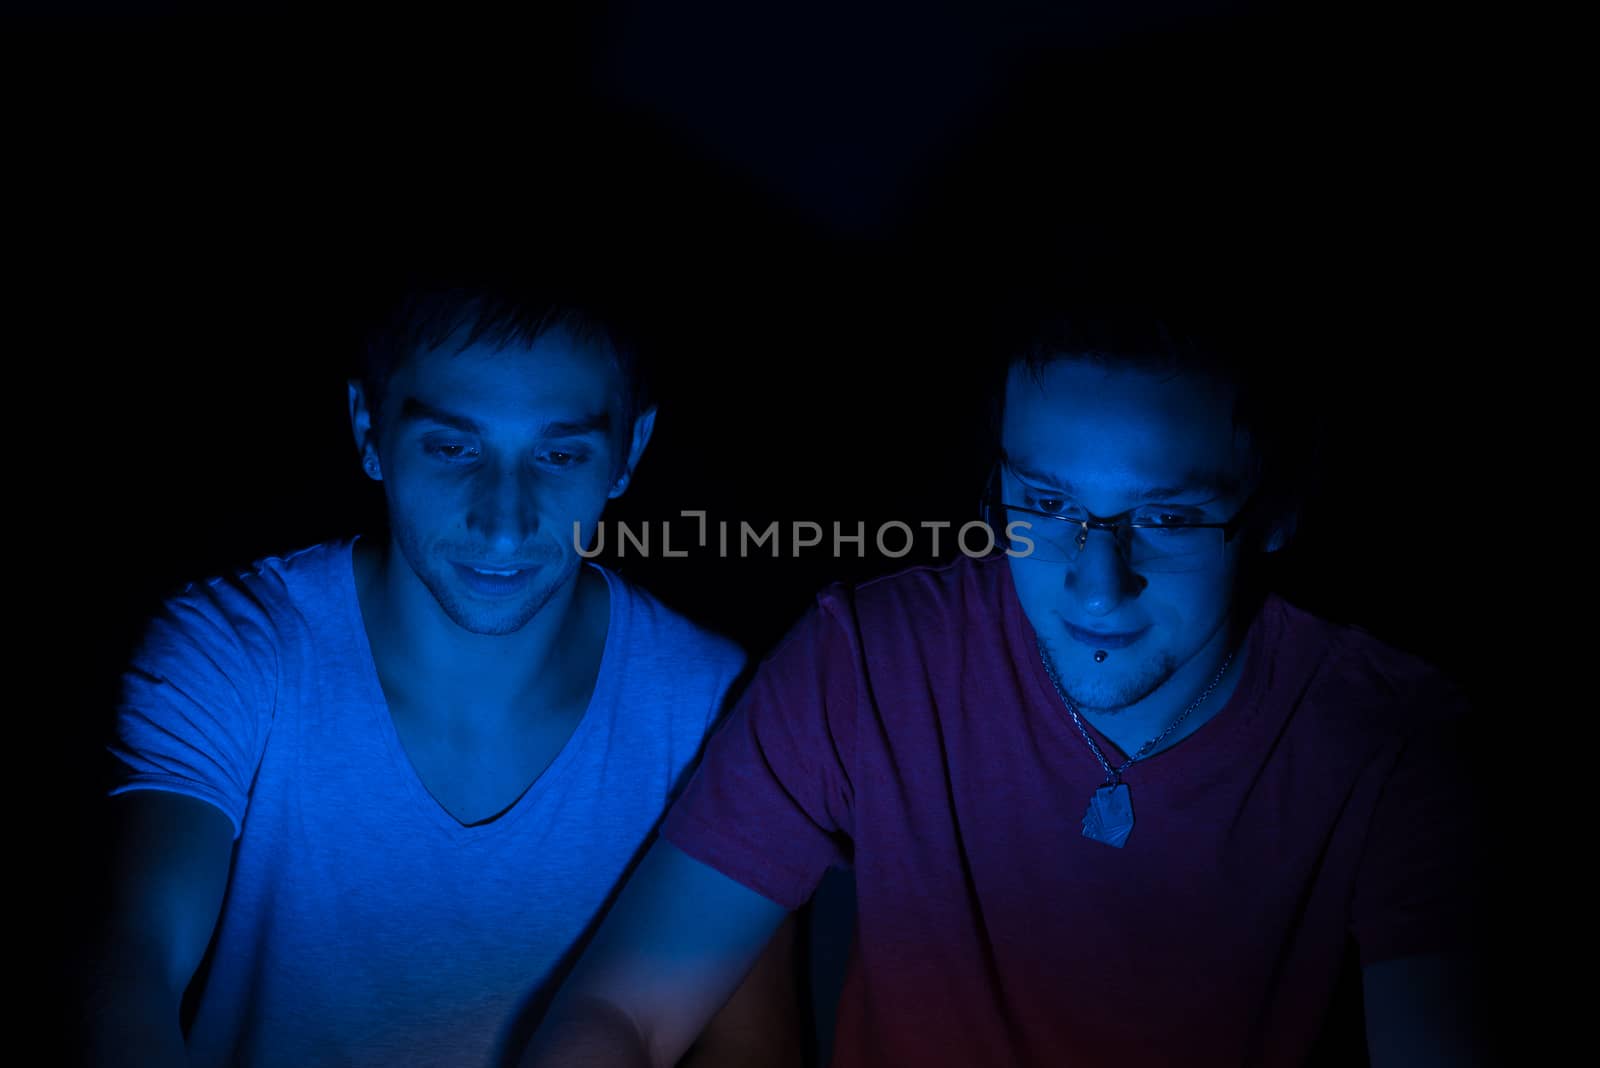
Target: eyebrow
<point>1192,481</point>
<point>413,410</point>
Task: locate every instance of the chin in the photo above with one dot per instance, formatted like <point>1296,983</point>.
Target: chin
<point>1126,676</point>
<point>493,617</point>
<point>488,623</point>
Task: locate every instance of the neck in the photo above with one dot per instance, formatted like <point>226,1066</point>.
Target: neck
<point>420,651</point>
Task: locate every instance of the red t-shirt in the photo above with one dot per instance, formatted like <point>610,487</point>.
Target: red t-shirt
<point>907,729</point>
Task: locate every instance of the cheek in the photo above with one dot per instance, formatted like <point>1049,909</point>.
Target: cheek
<point>1188,601</point>
<point>581,492</point>
<point>423,496</point>
<point>1038,583</point>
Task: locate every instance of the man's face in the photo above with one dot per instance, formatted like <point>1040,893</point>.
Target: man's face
<point>488,458</point>
<point>1103,442</point>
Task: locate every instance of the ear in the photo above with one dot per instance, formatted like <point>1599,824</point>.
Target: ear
<point>643,427</point>
<point>361,421</point>
<point>989,502</point>
<point>1279,534</point>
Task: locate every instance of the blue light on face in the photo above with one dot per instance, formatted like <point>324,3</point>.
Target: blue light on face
<point>490,457</point>
<point>1095,444</point>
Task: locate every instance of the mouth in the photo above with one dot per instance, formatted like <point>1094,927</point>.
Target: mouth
<point>497,581</point>
<point>1103,639</point>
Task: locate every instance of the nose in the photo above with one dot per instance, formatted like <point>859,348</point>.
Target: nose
<point>1100,578</point>
<point>504,509</point>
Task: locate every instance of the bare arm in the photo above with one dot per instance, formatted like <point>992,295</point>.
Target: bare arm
<point>760,1025</point>
<point>168,877</point>
<point>670,953</point>
<point>1420,1012</point>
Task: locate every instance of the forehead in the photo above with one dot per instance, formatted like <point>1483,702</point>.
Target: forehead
<point>554,372</point>
<point>1111,427</point>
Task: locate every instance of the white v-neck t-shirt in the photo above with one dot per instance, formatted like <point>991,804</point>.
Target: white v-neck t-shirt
<point>363,924</point>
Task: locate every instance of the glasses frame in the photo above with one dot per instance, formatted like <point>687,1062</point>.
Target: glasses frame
<point>1115,524</point>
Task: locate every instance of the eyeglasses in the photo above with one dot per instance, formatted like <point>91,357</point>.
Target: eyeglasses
<point>1151,538</point>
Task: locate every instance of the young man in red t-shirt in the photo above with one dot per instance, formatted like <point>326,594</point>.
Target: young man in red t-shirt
<point>1105,803</point>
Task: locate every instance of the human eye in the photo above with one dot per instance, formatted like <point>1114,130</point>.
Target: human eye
<point>1048,501</point>
<point>559,457</point>
<point>1169,518</point>
<point>451,450</point>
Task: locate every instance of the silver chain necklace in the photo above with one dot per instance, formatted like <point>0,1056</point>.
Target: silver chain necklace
<point>1109,818</point>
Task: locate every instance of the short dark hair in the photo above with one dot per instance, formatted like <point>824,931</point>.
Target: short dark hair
<point>1286,421</point>
<point>421,315</point>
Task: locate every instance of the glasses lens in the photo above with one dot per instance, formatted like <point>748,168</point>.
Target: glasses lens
<point>1174,549</point>
<point>1038,537</point>
<point>1146,549</point>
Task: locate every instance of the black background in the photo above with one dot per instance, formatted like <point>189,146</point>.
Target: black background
<point>814,207</point>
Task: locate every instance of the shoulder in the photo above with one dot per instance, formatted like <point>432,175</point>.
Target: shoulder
<point>257,606</point>
<point>652,633</point>
<point>203,688</point>
<point>927,593</point>
<point>926,611</point>
<point>1355,680</point>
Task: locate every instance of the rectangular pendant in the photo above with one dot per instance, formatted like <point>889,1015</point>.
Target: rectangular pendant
<point>1109,818</point>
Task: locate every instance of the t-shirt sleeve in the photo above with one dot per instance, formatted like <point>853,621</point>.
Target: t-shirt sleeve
<point>1420,866</point>
<point>728,675</point>
<point>771,804</point>
<point>196,701</point>
<point>717,665</point>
